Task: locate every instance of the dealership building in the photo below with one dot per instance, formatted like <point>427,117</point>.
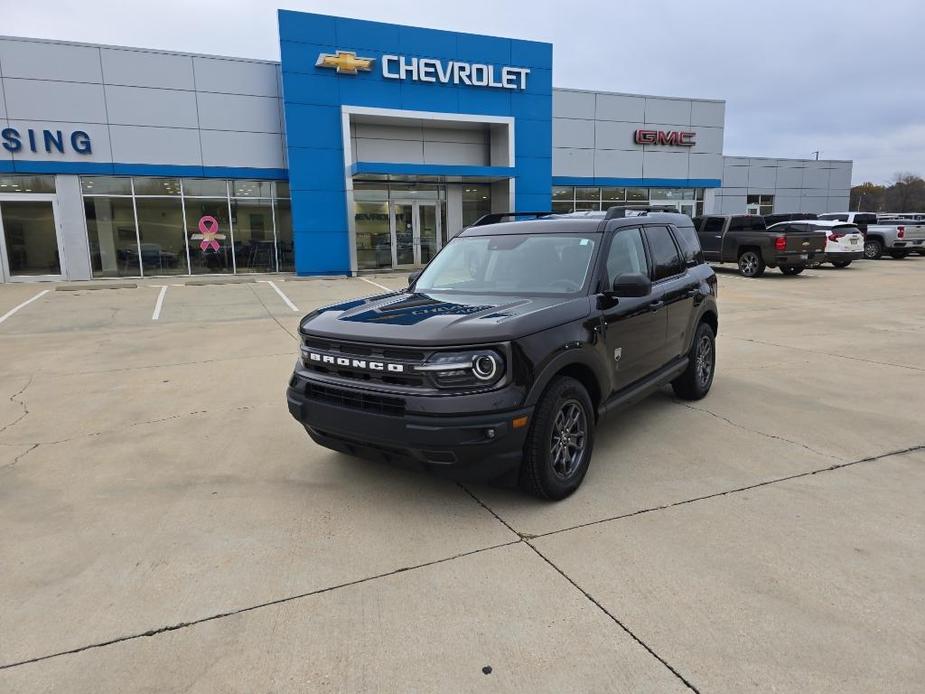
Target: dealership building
<point>366,147</point>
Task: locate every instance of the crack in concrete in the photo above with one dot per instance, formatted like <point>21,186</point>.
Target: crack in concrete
<point>760,433</point>
<point>92,434</point>
<point>251,608</point>
<point>525,538</point>
<point>827,353</point>
<point>21,403</point>
<point>20,456</point>
<point>269,313</point>
<point>649,649</point>
<point>736,490</point>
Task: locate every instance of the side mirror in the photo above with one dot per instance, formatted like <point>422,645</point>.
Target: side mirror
<point>413,277</point>
<point>632,284</point>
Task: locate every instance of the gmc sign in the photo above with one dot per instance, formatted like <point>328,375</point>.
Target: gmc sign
<point>678,138</point>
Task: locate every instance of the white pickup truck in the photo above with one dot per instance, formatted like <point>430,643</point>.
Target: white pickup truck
<point>895,237</point>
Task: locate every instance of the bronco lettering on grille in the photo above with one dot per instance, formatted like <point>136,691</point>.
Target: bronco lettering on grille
<point>365,364</point>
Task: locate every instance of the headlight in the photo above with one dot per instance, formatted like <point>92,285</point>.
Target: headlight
<point>482,367</point>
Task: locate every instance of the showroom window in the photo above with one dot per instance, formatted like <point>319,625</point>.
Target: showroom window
<point>582,198</point>
<point>760,204</point>
<point>147,226</point>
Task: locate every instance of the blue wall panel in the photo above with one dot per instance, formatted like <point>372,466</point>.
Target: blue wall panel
<point>312,97</point>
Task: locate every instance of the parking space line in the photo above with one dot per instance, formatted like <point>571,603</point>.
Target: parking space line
<point>160,303</point>
<point>376,284</point>
<point>23,305</point>
<point>281,295</point>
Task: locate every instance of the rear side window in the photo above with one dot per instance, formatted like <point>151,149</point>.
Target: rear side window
<point>665,259</point>
<point>746,223</point>
<point>690,245</point>
<point>713,225</point>
<point>626,254</point>
<point>862,219</point>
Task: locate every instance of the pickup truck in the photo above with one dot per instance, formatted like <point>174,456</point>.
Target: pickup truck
<point>895,237</point>
<point>744,239</point>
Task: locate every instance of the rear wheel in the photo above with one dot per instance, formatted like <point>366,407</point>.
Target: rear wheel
<point>873,249</point>
<point>898,255</point>
<point>751,264</point>
<point>697,378</point>
<point>841,263</point>
<point>558,448</point>
<point>792,269</point>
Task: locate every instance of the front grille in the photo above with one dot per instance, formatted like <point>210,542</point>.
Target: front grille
<point>409,357</point>
<point>356,400</point>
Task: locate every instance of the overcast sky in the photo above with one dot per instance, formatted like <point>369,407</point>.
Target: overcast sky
<point>846,78</point>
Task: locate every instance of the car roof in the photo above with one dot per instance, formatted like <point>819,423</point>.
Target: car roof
<point>816,222</point>
<point>589,223</point>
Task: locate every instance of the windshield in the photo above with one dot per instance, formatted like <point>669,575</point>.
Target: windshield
<point>511,264</point>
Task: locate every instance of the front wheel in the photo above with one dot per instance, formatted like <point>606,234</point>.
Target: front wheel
<point>558,448</point>
<point>898,255</point>
<point>695,381</point>
<point>792,269</point>
<point>873,249</point>
<point>841,263</point>
<point>751,264</point>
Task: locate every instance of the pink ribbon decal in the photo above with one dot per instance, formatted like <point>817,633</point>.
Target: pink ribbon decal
<point>208,232</point>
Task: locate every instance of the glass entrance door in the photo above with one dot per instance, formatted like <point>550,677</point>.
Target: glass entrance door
<point>416,232</point>
<point>29,239</point>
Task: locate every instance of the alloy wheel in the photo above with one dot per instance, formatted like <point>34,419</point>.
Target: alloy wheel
<point>568,440</point>
<point>704,361</point>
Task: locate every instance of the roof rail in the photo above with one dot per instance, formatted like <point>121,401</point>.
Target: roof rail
<point>618,211</point>
<point>496,217</point>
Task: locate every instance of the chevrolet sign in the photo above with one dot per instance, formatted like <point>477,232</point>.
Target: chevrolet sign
<point>399,67</point>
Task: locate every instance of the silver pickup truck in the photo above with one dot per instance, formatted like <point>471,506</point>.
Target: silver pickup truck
<point>895,237</point>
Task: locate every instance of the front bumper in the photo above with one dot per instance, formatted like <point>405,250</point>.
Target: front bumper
<point>473,446</point>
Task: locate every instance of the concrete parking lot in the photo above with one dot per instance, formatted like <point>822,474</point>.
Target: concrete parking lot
<point>166,526</point>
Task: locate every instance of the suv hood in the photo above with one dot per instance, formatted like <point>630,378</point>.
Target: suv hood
<point>440,319</point>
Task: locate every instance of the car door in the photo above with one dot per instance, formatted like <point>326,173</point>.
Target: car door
<point>634,327</point>
<point>675,286</point>
<point>711,237</point>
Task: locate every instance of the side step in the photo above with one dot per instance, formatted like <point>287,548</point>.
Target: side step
<point>643,388</point>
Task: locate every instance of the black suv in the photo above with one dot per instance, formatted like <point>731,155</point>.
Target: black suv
<point>503,353</point>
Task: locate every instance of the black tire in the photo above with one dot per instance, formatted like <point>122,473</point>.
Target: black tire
<point>873,249</point>
<point>898,255</point>
<point>841,263</point>
<point>697,378</point>
<point>751,264</point>
<point>555,464</point>
<point>792,269</point>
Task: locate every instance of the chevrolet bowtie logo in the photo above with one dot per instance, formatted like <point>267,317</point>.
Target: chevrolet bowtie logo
<point>345,62</point>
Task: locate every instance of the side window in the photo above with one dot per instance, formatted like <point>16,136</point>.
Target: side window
<point>665,259</point>
<point>714,225</point>
<point>690,245</point>
<point>626,254</point>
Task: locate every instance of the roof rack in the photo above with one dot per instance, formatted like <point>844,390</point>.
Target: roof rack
<point>617,211</point>
<point>496,217</point>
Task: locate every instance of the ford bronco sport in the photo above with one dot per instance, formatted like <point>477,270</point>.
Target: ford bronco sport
<point>501,356</point>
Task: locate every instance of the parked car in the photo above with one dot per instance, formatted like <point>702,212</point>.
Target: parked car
<point>500,357</point>
<point>860,219</point>
<point>744,239</point>
<point>895,237</point>
<point>844,242</point>
<point>770,219</point>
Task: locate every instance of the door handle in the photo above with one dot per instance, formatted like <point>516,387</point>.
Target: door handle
<point>690,293</point>
<point>656,304</point>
